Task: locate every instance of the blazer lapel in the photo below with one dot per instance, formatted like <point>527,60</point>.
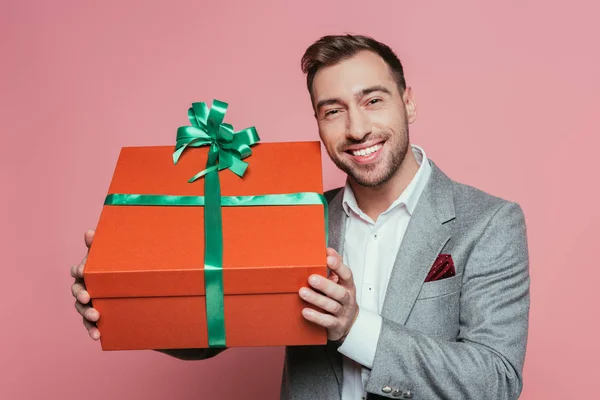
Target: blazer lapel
<point>337,229</point>
<point>427,233</point>
<point>336,222</point>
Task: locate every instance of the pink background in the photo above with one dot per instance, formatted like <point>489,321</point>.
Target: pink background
<point>508,94</point>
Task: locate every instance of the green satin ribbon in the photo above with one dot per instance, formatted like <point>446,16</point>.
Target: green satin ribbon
<point>292,199</point>
<point>227,150</point>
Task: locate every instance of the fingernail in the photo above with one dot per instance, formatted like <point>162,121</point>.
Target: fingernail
<point>313,280</point>
<point>331,260</point>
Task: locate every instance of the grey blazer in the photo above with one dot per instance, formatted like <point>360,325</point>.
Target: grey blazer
<point>462,337</point>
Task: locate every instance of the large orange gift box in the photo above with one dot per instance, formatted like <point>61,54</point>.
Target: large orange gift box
<point>212,261</point>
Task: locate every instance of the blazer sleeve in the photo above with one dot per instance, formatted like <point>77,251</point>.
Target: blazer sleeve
<point>192,354</point>
<point>486,361</point>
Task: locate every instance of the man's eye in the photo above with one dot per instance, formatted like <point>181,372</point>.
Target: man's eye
<point>331,112</point>
<point>374,101</point>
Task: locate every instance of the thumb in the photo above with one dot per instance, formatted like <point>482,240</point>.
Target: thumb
<point>331,252</point>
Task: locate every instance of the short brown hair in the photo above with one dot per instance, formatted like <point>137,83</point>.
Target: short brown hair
<point>332,49</point>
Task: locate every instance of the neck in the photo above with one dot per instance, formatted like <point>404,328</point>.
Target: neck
<point>375,200</point>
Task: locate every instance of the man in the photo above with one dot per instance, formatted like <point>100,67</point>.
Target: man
<point>429,292</point>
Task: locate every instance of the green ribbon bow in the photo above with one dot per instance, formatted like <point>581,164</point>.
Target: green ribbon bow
<point>227,150</point>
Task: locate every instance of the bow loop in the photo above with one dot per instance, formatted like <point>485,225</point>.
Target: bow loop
<point>198,115</point>
<point>227,147</point>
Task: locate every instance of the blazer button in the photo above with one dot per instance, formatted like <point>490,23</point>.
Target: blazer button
<point>407,395</point>
<point>397,393</point>
<point>386,389</point>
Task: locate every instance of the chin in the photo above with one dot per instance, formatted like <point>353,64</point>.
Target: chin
<point>373,178</point>
<point>369,182</point>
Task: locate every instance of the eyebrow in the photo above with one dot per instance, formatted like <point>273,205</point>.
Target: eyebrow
<point>357,95</point>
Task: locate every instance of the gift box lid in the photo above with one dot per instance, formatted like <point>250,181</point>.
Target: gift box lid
<point>148,251</point>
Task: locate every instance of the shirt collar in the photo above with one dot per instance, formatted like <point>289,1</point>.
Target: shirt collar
<point>409,197</point>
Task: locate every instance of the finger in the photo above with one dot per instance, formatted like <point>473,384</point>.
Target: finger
<point>81,268</point>
<point>333,277</point>
<point>335,263</point>
<point>87,312</point>
<point>79,292</point>
<point>74,271</point>
<point>89,237</point>
<point>323,302</point>
<point>331,289</point>
<point>77,269</point>
<point>92,329</point>
<point>325,320</point>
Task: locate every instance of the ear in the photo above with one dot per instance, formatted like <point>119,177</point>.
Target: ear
<point>410,104</point>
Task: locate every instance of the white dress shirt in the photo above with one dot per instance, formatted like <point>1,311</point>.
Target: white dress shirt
<point>370,249</point>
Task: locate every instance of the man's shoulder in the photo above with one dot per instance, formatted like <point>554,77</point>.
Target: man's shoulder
<point>474,201</point>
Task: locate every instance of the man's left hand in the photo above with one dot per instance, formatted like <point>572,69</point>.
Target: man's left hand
<point>337,298</point>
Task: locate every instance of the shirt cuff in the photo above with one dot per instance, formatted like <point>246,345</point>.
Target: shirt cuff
<point>361,342</point>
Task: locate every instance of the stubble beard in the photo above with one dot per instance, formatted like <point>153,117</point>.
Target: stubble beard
<point>374,175</point>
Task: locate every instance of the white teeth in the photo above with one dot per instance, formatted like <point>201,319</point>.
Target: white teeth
<point>367,151</point>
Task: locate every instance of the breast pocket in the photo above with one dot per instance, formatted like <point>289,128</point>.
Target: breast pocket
<point>436,310</point>
<point>440,288</point>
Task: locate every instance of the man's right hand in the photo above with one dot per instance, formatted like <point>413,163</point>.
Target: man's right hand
<point>82,297</point>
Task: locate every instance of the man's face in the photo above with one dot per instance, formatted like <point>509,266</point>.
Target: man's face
<point>363,120</point>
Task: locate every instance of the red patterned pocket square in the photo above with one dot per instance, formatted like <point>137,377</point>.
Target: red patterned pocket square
<point>442,268</point>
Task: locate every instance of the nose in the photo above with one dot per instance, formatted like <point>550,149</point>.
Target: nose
<point>358,124</point>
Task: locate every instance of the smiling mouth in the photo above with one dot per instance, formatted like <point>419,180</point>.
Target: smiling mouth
<point>367,151</point>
